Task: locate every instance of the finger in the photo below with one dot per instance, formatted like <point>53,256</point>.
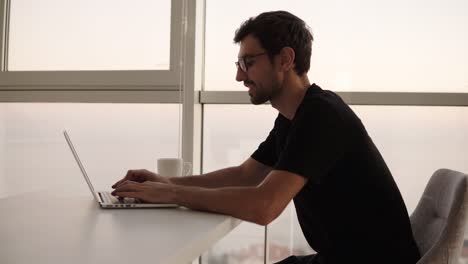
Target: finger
<point>126,186</point>
<point>129,194</point>
<point>131,175</point>
<point>129,186</point>
<point>115,185</point>
<point>129,182</point>
<point>120,183</point>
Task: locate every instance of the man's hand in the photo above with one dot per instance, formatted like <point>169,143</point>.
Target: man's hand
<point>141,176</point>
<point>148,191</point>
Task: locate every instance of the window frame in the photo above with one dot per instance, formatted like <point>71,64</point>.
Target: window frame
<point>355,98</point>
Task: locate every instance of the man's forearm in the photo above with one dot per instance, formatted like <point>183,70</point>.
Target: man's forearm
<point>246,203</point>
<point>232,176</point>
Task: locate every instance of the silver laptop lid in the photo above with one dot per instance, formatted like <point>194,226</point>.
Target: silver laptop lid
<point>83,171</point>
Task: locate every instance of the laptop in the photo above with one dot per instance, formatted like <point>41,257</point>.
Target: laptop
<point>106,199</point>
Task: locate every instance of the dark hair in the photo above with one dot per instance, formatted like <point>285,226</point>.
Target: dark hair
<point>276,30</point>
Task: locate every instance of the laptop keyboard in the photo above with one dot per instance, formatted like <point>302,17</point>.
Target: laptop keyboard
<point>108,198</point>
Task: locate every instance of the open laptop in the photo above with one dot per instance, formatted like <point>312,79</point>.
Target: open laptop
<point>106,199</point>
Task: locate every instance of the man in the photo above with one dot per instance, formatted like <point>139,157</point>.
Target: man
<point>317,154</point>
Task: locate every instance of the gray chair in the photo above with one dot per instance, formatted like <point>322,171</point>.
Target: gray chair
<point>439,219</point>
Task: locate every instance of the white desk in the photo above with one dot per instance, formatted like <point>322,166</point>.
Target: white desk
<point>35,228</point>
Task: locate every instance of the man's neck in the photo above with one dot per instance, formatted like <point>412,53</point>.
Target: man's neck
<point>291,96</point>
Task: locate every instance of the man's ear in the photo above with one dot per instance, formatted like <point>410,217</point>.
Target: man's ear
<point>287,56</point>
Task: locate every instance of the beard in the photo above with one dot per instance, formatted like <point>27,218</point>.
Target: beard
<point>260,94</point>
<point>259,97</point>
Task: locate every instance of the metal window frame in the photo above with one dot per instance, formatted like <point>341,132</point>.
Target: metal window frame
<point>4,27</point>
<point>355,98</point>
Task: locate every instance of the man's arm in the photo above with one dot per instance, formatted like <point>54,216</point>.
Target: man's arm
<point>259,204</point>
<point>249,173</point>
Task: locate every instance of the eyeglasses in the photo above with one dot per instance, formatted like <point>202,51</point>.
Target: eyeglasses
<point>244,62</point>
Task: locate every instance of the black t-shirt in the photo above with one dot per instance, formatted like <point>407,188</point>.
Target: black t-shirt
<point>350,209</point>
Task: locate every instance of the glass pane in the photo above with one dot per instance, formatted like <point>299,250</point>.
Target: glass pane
<point>66,35</point>
<point>285,237</point>
<point>245,244</point>
<point>414,141</point>
<point>397,46</point>
<point>110,139</point>
<point>223,122</point>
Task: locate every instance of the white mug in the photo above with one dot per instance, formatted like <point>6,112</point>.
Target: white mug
<point>173,167</point>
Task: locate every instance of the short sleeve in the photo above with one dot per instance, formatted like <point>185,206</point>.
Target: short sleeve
<point>316,141</point>
<point>267,152</point>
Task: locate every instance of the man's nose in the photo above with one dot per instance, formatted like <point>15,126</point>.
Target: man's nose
<point>240,75</point>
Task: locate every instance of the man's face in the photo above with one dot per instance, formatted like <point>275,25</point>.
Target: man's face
<point>259,73</point>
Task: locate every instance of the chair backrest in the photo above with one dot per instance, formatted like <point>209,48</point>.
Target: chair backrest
<point>438,222</point>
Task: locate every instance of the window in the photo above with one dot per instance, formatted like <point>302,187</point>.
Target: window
<point>104,45</point>
<point>110,139</point>
<point>245,244</point>
<point>414,141</point>
<point>368,46</point>
<point>400,65</point>
<point>72,35</point>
